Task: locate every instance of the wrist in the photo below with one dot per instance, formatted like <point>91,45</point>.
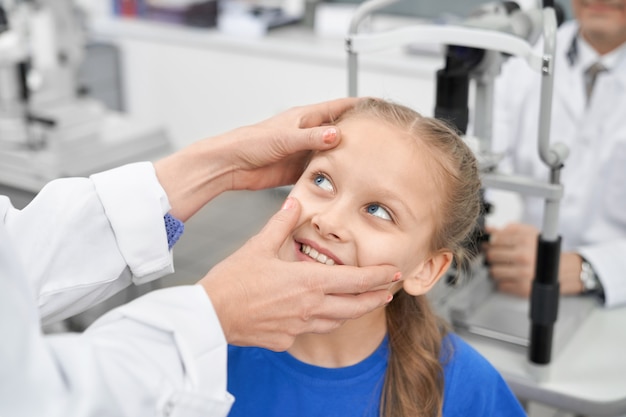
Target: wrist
<point>569,273</point>
<point>192,177</point>
<point>221,301</point>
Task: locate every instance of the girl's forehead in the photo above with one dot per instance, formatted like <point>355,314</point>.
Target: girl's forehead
<point>379,152</point>
<point>372,126</point>
<point>365,134</point>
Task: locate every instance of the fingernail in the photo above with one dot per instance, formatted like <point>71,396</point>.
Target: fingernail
<point>288,204</point>
<point>330,135</point>
<point>397,276</point>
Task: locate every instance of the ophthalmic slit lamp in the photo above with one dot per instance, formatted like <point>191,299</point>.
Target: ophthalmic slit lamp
<point>475,50</point>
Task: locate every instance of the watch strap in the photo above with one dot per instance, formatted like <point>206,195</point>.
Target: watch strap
<point>588,278</point>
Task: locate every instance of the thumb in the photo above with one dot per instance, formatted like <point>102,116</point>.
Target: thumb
<point>280,225</point>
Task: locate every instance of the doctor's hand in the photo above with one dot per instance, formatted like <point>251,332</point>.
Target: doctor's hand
<point>268,154</point>
<point>263,301</point>
<point>511,254</point>
<point>274,152</point>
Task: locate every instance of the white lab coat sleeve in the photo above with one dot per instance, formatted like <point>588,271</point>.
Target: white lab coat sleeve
<point>163,354</point>
<point>82,240</point>
<point>607,260</point>
<point>168,349</point>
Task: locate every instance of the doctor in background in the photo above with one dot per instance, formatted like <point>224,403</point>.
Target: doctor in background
<point>164,354</point>
<point>589,116</point>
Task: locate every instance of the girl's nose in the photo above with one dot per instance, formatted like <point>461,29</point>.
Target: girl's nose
<point>331,224</point>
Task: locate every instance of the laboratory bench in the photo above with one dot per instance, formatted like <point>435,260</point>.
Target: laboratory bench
<point>587,377</point>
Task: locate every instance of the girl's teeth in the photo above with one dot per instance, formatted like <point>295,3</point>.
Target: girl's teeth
<point>314,254</point>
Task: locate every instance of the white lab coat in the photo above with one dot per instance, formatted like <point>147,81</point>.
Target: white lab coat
<point>592,218</point>
<point>79,241</point>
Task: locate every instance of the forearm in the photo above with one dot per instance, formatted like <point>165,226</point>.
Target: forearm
<point>607,262</point>
<point>196,174</point>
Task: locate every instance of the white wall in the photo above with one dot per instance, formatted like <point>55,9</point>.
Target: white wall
<point>200,83</point>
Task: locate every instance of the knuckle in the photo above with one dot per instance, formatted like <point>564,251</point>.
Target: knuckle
<point>311,135</point>
<point>307,313</point>
<point>299,115</point>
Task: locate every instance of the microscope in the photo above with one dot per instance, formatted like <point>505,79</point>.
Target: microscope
<point>50,127</point>
<point>474,50</point>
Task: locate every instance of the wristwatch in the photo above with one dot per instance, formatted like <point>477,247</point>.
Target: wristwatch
<point>589,279</point>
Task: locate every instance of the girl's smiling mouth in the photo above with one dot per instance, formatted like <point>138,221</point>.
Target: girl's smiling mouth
<point>316,255</point>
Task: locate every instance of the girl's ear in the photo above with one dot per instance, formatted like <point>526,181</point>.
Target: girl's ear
<point>428,273</point>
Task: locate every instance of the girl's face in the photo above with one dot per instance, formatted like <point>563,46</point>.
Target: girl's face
<point>369,201</point>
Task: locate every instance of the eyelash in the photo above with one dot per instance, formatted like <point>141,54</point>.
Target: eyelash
<point>392,217</point>
<point>317,174</point>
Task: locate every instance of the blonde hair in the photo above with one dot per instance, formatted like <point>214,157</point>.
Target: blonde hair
<point>414,377</point>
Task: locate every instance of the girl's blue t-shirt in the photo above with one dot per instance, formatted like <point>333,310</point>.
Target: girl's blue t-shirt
<point>271,384</point>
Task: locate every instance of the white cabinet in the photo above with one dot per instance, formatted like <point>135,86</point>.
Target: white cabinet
<point>199,83</point>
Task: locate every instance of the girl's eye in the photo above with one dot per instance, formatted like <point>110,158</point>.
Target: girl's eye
<point>324,183</point>
<point>377,211</point>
